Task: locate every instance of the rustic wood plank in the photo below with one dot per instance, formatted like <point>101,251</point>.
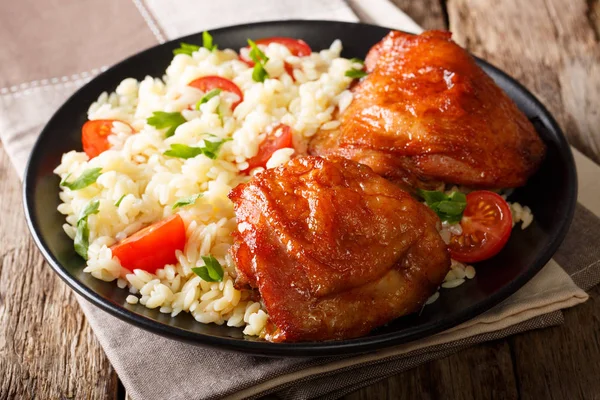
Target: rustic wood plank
<point>481,372</point>
<point>562,362</point>
<point>429,14</point>
<point>47,349</point>
<point>551,46</point>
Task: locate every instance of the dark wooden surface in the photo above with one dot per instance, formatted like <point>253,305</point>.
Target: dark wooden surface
<point>48,351</point>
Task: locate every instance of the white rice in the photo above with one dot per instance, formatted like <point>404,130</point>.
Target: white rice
<point>151,182</point>
<point>521,214</point>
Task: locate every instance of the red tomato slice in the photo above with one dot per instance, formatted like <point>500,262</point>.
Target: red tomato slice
<point>208,83</point>
<point>297,47</point>
<point>486,225</point>
<point>280,138</point>
<point>248,62</point>
<point>290,71</point>
<point>152,247</point>
<point>94,136</point>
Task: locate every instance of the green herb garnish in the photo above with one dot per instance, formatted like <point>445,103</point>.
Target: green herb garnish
<point>118,203</point>
<point>210,149</point>
<point>448,207</point>
<point>82,235</point>
<point>186,48</point>
<point>82,239</point>
<point>432,196</point>
<point>88,177</point>
<point>356,61</point>
<point>171,120</point>
<point>356,73</point>
<point>259,73</point>
<point>256,54</point>
<point>186,201</point>
<point>183,151</point>
<point>90,208</point>
<point>212,270</point>
<point>207,97</point>
<point>207,41</point>
<point>220,114</point>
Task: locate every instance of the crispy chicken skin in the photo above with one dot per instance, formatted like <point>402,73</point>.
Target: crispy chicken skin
<point>428,114</point>
<point>334,249</point>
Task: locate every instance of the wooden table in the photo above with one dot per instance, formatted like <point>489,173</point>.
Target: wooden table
<point>47,349</point>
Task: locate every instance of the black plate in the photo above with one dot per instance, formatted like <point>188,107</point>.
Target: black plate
<point>551,194</point>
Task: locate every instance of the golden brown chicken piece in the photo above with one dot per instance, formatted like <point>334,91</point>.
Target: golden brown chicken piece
<point>334,249</point>
<point>427,114</point>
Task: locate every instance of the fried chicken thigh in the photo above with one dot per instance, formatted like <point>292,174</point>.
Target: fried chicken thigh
<point>334,249</point>
<point>427,114</point>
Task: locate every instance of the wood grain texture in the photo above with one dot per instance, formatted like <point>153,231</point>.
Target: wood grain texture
<point>551,46</point>
<point>47,349</point>
<point>562,362</point>
<point>481,372</point>
<point>429,14</point>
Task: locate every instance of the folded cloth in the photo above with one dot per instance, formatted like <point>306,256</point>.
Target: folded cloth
<point>153,367</point>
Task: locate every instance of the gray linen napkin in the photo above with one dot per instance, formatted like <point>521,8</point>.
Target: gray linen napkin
<point>152,367</point>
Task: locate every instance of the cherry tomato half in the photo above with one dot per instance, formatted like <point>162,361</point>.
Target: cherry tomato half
<point>208,83</point>
<point>280,138</point>
<point>486,226</point>
<point>290,70</point>
<point>152,247</point>
<point>248,62</point>
<point>297,47</point>
<point>94,136</point>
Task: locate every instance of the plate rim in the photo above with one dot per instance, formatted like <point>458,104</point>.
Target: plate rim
<point>302,349</point>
